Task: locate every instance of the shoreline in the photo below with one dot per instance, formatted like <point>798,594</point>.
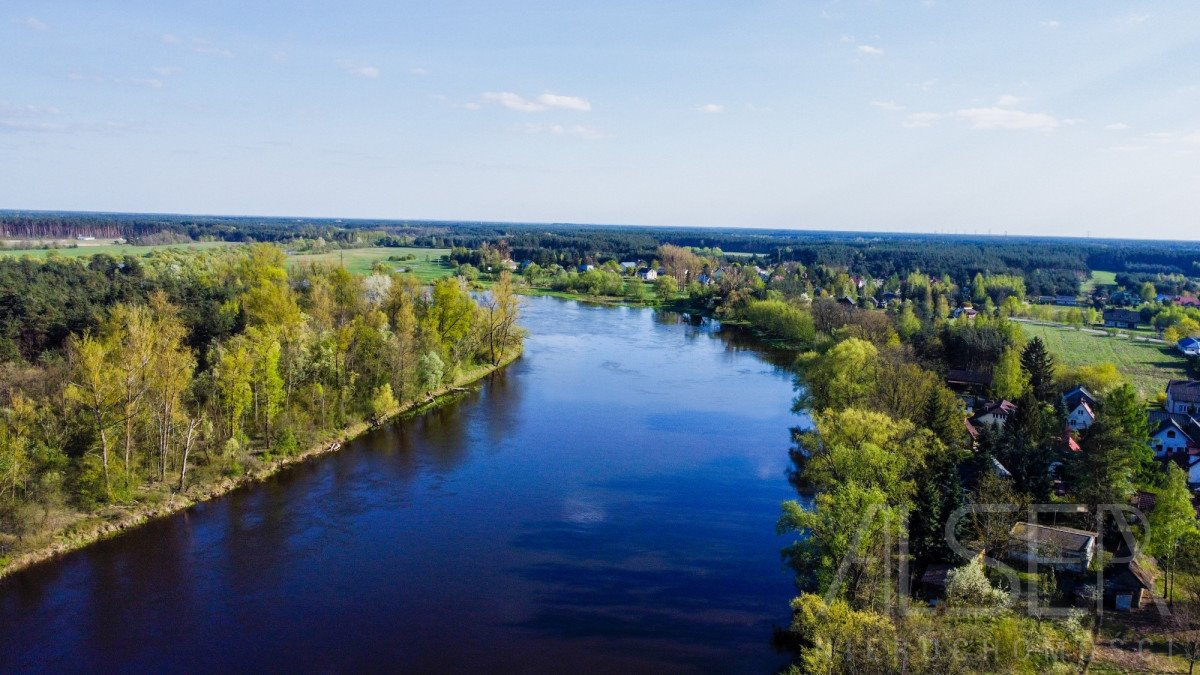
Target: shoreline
<point>68,539</point>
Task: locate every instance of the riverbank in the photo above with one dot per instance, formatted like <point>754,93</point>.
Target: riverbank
<point>85,529</point>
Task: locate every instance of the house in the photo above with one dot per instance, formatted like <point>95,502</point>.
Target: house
<point>1186,301</point>
<point>969,312</point>
<point>1122,318</point>
<point>1173,436</point>
<point>585,268</point>
<point>1126,585</point>
<point>1183,396</point>
<point>1079,394</point>
<point>1061,547</point>
<point>993,413</point>
<point>1066,300</point>
<point>647,274</point>
<point>933,582</point>
<point>848,301</point>
<point>1082,415</point>
<point>629,266</point>
<point>1189,346</point>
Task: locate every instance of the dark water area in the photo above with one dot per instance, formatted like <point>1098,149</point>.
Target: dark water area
<point>606,504</point>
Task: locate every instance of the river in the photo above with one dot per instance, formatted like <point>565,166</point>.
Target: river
<point>607,503</point>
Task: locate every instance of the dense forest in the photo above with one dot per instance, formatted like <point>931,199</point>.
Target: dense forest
<point>124,381</point>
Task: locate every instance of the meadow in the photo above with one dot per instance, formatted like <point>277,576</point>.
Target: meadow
<point>85,249</point>
<point>427,263</point>
<point>1147,365</point>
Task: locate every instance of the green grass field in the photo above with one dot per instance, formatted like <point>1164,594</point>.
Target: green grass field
<point>427,265</point>
<point>113,249</point>
<point>1147,365</point>
<point>1099,278</point>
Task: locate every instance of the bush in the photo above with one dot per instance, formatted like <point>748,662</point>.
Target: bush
<point>782,320</point>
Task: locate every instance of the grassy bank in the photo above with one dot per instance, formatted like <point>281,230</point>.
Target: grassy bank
<point>83,529</point>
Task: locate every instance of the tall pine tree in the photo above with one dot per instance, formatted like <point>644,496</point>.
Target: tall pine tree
<point>1039,364</point>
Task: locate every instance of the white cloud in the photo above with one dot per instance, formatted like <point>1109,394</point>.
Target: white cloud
<point>204,47</point>
<point>167,71</point>
<point>419,72</point>
<point>27,110</point>
<point>358,69</point>
<point>990,118</point>
<point>890,106</point>
<point>1051,23</point>
<point>1187,138</point>
<point>869,50</point>
<point>1134,19</point>
<point>513,101</point>
<point>197,45</point>
<point>1008,100</point>
<point>34,23</point>
<point>711,108</point>
<point>1004,118</point>
<point>1116,126</point>
<point>150,82</point>
<point>564,102</point>
<point>921,120</point>
<point>574,131</point>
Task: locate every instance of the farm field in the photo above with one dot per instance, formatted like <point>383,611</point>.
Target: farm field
<point>112,249</point>
<point>427,264</point>
<point>1147,365</point>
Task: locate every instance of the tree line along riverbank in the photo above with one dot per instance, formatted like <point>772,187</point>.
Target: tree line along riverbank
<point>130,388</point>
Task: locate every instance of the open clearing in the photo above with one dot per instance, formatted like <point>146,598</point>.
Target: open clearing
<point>86,249</point>
<point>1099,278</point>
<point>426,263</point>
<point>1147,365</point>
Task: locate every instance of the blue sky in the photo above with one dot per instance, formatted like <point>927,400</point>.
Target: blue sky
<point>1046,118</point>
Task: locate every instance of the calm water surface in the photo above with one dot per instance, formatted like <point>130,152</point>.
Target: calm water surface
<point>606,504</point>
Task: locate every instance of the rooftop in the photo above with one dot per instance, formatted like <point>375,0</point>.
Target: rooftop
<point>1186,391</point>
<point>1063,538</point>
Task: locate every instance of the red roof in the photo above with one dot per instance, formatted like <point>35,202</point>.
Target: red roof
<point>1069,441</point>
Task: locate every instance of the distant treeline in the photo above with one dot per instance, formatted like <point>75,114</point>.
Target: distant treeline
<point>1049,265</point>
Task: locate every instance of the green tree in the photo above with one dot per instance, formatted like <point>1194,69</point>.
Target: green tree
<point>1039,365</point>
<point>843,377</point>
<point>1009,380</point>
<point>1172,520</point>
<point>383,402</point>
<point>907,323</point>
<point>667,287</point>
<point>95,388</point>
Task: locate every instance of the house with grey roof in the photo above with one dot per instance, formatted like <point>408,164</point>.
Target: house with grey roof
<point>1063,548</point>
